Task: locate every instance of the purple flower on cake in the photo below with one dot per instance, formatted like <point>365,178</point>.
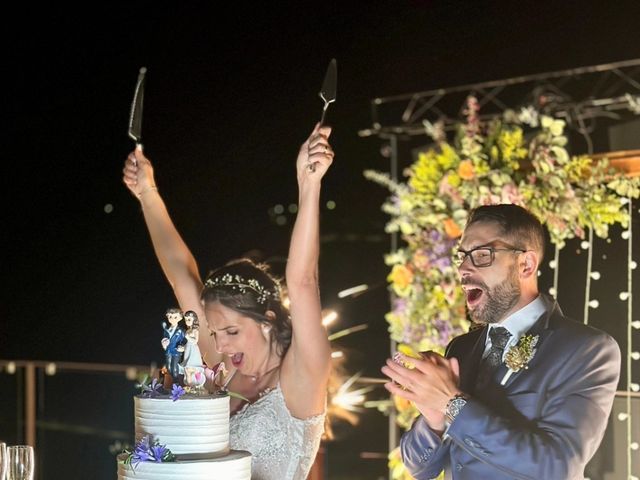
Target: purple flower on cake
<point>176,392</point>
<point>147,450</point>
<point>152,390</point>
<point>158,452</point>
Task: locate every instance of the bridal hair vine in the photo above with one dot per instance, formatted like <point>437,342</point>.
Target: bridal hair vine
<point>239,283</point>
<point>519,356</point>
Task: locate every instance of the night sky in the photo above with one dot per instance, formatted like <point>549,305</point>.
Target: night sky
<point>231,93</point>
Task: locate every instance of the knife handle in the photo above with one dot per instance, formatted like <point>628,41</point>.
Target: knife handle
<point>139,148</point>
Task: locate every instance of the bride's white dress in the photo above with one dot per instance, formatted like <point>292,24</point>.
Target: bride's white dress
<point>192,360</point>
<point>282,447</point>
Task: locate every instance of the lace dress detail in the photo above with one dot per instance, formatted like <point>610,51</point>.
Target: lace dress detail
<point>282,447</point>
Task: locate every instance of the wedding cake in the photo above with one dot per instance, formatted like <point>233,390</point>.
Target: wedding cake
<point>194,430</point>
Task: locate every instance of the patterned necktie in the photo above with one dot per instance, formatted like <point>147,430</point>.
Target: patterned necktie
<point>499,337</point>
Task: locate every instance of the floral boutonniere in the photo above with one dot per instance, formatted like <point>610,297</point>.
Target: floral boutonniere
<point>519,356</point>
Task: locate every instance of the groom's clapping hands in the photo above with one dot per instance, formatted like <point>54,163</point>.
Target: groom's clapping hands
<point>429,385</point>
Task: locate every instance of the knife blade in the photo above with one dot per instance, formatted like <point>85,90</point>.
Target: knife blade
<point>135,117</point>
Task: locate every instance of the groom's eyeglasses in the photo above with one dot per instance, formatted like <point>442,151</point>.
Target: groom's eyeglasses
<point>481,256</point>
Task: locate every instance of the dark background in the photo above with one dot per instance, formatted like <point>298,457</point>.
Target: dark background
<point>231,93</point>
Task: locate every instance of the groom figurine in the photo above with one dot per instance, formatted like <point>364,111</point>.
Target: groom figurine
<point>527,395</point>
<point>173,342</point>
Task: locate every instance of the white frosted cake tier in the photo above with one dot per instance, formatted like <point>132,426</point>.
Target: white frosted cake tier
<point>233,465</point>
<point>187,426</point>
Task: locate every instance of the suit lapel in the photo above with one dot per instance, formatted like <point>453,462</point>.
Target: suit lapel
<point>471,362</point>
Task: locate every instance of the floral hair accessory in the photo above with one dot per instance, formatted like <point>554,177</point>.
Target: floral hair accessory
<point>519,356</point>
<point>148,450</point>
<point>239,283</point>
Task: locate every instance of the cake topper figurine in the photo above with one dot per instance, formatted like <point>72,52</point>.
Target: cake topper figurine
<point>191,365</point>
<point>173,342</point>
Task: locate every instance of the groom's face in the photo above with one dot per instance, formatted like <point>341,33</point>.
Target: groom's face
<point>492,293</point>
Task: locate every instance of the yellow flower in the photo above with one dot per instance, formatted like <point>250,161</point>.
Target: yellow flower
<point>448,157</point>
<point>451,228</point>
<point>401,276</point>
<point>398,470</point>
<point>454,180</point>
<point>465,170</point>
<point>510,142</point>
<point>401,404</point>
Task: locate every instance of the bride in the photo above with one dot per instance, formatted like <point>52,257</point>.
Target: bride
<point>191,365</point>
<point>279,358</point>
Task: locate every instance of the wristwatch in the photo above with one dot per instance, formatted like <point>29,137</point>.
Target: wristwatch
<point>455,405</point>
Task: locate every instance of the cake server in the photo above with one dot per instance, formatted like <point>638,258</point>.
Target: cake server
<point>327,94</point>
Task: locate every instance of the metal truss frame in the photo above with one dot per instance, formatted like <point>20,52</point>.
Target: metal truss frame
<point>576,95</point>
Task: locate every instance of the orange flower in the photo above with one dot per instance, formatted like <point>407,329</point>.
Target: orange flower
<point>465,170</point>
<point>452,229</point>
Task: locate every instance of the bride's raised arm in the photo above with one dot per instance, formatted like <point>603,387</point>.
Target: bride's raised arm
<point>306,366</point>
<point>176,260</point>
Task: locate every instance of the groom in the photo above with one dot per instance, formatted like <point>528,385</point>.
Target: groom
<point>173,342</point>
<point>528,395</point>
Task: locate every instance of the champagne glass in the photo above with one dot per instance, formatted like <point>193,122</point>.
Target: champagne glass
<point>20,462</point>
<point>4,462</point>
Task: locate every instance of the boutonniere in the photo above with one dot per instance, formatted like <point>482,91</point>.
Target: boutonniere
<point>518,356</point>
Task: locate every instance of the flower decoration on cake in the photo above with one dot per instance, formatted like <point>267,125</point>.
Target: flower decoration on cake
<point>148,450</point>
<point>518,356</point>
<point>150,390</point>
<point>218,369</point>
<point>176,392</point>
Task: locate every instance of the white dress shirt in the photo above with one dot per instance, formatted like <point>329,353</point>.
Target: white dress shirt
<point>518,323</point>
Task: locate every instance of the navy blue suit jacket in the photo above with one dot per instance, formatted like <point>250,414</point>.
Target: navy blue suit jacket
<point>175,340</point>
<point>546,422</point>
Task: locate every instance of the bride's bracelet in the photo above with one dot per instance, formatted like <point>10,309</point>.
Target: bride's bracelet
<point>148,189</point>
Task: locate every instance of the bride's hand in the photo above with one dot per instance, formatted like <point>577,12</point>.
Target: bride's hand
<point>316,155</point>
<point>138,174</point>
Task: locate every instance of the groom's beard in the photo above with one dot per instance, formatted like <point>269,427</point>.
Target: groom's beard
<point>500,299</point>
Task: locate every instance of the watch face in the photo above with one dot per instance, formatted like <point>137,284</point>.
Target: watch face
<point>454,406</point>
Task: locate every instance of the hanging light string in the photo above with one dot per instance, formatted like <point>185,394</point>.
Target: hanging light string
<point>629,335</point>
<point>587,289</point>
<point>556,271</point>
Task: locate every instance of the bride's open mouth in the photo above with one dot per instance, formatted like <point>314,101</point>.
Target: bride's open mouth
<point>236,359</point>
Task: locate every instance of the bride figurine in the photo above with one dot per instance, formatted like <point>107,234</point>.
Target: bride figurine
<point>194,375</point>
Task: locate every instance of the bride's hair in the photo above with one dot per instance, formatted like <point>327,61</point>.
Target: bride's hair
<point>194,316</point>
<point>250,289</point>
